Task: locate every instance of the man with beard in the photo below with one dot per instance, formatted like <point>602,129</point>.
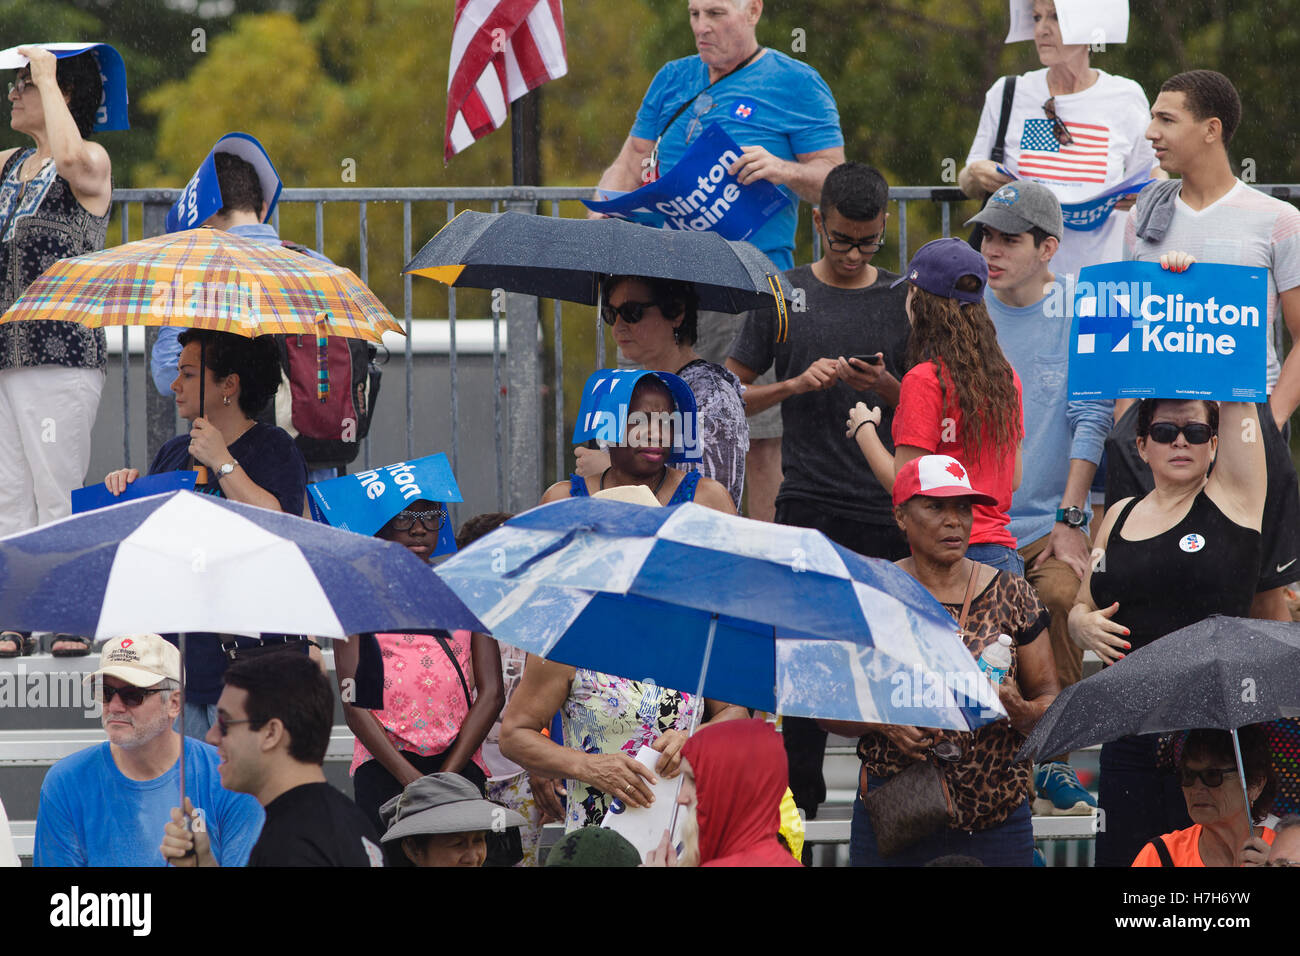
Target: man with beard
<point>106,805</point>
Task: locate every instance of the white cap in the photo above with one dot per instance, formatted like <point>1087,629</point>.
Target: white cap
<point>142,660</point>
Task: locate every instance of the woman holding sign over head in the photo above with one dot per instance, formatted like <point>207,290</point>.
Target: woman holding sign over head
<point>1189,549</point>
<point>54,203</point>
<point>1075,129</point>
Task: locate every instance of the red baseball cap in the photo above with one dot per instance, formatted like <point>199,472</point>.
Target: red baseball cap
<point>937,476</point>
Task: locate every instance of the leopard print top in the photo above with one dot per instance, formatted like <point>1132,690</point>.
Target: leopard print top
<point>986,786</point>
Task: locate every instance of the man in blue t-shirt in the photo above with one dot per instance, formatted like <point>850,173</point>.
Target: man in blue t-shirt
<point>1032,309</point>
<point>107,805</point>
<point>783,115</point>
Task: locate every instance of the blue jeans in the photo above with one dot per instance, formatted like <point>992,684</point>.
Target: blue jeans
<point>998,556</point>
<point>199,719</point>
<point>1010,843</point>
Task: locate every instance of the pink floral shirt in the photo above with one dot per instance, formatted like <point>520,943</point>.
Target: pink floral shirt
<point>424,699</point>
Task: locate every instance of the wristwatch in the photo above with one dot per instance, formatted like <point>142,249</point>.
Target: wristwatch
<point>230,466</point>
<point>1072,516</point>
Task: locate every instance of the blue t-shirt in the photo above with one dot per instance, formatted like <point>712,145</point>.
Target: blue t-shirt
<point>775,102</point>
<point>91,814</point>
<point>1036,341</point>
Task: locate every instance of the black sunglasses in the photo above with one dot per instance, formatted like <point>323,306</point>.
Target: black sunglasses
<point>1059,129</point>
<point>1211,776</point>
<point>866,247</point>
<point>405,520</point>
<point>223,726</point>
<point>130,696</point>
<point>1166,433</point>
<point>629,312</point>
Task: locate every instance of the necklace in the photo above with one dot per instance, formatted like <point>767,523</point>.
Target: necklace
<point>654,491</point>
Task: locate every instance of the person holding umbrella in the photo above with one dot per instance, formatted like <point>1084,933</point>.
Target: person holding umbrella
<point>1225,830</point>
<point>245,461</point>
<point>1189,549</point>
<point>54,202</point>
<point>989,791</point>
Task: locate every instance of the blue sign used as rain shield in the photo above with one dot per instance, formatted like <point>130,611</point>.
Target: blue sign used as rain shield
<point>699,194</point>
<point>364,502</point>
<point>1092,213</point>
<point>201,197</point>
<point>111,114</point>
<point>603,414</point>
<point>1140,331</point>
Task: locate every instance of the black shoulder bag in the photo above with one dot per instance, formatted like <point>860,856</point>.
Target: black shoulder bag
<point>999,152</point>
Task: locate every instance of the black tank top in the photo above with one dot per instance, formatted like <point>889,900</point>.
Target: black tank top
<point>1204,565</point>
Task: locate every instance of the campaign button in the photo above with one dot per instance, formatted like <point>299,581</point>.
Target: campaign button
<point>1192,543</point>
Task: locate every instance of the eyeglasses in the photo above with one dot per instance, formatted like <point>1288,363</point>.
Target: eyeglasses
<point>864,246</point>
<point>1166,433</point>
<point>223,726</point>
<point>1059,129</point>
<point>1211,776</point>
<point>20,84</point>
<point>629,312</point>
<point>405,520</point>
<point>130,696</point>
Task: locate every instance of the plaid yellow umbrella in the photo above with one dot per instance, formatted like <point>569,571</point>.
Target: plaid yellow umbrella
<point>208,279</point>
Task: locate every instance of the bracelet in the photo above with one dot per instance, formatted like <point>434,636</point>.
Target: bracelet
<point>867,421</point>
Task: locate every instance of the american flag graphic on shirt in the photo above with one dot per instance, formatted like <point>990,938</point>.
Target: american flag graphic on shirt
<point>1083,161</point>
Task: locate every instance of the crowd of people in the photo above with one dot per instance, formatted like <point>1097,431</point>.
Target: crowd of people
<point>923,419</point>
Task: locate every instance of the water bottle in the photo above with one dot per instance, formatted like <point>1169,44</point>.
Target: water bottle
<point>995,662</point>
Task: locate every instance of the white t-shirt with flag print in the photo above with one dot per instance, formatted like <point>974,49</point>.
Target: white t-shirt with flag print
<point>1108,121</point>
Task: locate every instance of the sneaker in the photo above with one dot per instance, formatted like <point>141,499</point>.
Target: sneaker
<point>1059,792</point>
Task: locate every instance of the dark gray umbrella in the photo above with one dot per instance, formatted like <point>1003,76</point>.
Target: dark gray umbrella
<point>565,259</point>
<point>1221,673</point>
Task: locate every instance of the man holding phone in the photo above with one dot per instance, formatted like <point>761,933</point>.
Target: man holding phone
<point>847,341</point>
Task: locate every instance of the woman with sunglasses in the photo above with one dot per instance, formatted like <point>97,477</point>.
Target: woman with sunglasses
<point>654,323</point>
<point>1224,831</point>
<point>989,791</point>
<point>1189,549</point>
<point>1075,129</point>
<point>430,722</point>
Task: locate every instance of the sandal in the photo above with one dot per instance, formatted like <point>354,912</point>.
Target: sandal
<point>82,649</point>
<point>24,644</point>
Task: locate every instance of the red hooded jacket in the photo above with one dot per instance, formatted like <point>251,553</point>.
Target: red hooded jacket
<point>740,777</point>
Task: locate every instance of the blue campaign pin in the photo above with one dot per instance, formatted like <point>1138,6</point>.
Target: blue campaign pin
<point>201,198</point>
<point>616,806</point>
<point>1192,543</point>
<point>743,111</point>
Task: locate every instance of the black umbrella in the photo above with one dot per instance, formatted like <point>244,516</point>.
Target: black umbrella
<point>1222,673</point>
<point>556,258</point>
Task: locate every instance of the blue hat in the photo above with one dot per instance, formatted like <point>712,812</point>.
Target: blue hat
<point>366,501</point>
<point>111,114</point>
<point>201,197</point>
<point>605,400</point>
<point>938,265</point>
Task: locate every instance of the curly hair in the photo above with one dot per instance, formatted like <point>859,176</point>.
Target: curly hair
<point>671,297</point>
<point>255,361</point>
<point>960,341</point>
<point>79,77</point>
<point>1256,760</point>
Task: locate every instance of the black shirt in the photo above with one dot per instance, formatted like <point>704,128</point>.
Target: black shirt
<point>315,825</point>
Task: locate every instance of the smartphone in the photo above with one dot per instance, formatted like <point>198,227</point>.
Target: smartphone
<point>872,359</point>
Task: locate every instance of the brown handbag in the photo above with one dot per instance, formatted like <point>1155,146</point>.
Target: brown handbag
<point>912,805</point>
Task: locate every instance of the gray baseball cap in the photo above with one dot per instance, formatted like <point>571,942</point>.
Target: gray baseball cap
<point>443,803</point>
<point>1018,207</point>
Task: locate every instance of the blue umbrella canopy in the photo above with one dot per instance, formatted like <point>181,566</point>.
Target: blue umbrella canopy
<point>803,626</point>
<point>188,562</point>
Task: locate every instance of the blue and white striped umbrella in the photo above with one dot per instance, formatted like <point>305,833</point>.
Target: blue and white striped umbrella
<point>188,562</point>
<point>803,626</point>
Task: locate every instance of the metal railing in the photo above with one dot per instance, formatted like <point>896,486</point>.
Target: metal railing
<point>518,442</point>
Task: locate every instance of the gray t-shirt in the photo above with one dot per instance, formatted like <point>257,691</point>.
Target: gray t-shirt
<point>722,425</point>
<point>820,464</point>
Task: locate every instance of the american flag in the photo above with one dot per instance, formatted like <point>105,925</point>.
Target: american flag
<point>500,49</point>
<point>1083,161</point>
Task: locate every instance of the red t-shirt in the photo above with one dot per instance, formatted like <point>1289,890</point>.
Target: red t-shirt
<point>921,420</point>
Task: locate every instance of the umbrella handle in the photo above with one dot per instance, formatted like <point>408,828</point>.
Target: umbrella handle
<point>181,692</point>
<point>699,711</point>
<point>1245,789</point>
